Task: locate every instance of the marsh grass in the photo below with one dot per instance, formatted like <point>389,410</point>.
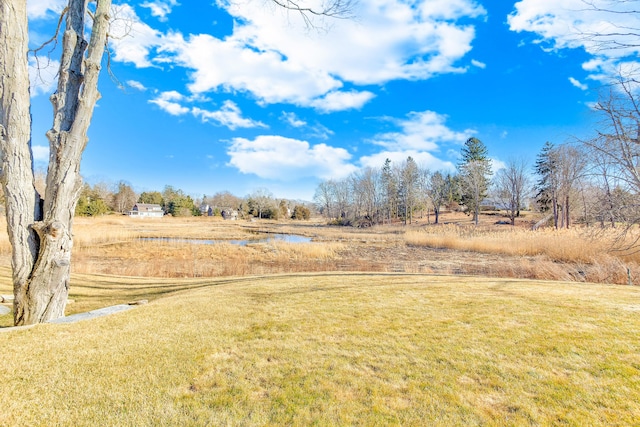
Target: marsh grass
<point>116,245</point>
<point>324,349</point>
<point>558,245</point>
<point>594,256</point>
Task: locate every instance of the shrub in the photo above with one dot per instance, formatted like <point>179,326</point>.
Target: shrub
<point>300,212</point>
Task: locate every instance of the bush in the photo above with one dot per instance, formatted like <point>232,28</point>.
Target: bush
<point>300,212</point>
<point>344,222</point>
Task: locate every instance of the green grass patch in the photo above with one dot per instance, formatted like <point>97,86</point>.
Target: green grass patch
<point>329,349</point>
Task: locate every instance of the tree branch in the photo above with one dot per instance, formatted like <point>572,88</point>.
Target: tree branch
<point>341,9</point>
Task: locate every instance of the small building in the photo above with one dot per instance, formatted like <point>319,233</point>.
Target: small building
<point>146,210</point>
<point>230,214</point>
<point>206,210</point>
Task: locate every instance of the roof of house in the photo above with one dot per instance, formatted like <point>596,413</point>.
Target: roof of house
<point>146,207</point>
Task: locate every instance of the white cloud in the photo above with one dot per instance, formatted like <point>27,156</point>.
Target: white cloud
<point>423,131</point>
<point>273,55</point>
<point>38,9</point>
<point>496,165</point>
<point>576,24</point>
<point>423,159</point>
<point>43,75</point>
<point>478,64</point>
<point>40,153</point>
<point>229,115</point>
<point>577,84</point>
<point>293,120</point>
<point>169,102</point>
<point>136,85</point>
<point>573,23</point>
<point>160,9</point>
<point>390,39</point>
<point>131,39</point>
<point>287,159</point>
<point>230,65</point>
<point>339,101</point>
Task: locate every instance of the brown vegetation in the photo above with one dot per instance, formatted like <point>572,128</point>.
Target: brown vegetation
<point>118,245</point>
<point>121,246</point>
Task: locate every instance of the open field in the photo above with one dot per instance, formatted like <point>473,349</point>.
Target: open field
<point>117,245</point>
<point>374,346</point>
<point>327,349</point>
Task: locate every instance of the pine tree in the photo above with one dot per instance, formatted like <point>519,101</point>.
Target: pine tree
<point>547,185</point>
<point>390,188</point>
<point>474,175</point>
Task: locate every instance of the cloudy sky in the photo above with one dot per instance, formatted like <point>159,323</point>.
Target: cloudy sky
<point>238,95</point>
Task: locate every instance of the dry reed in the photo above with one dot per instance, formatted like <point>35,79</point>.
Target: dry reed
<point>573,245</point>
<point>116,245</point>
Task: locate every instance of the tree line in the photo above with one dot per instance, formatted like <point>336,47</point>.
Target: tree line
<point>102,198</point>
<point>399,192</point>
<point>592,181</point>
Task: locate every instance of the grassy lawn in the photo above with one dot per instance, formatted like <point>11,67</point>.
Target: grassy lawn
<point>331,349</point>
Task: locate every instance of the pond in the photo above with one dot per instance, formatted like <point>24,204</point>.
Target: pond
<point>288,238</point>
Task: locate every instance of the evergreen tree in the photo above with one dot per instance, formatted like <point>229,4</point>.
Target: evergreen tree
<point>408,188</point>
<point>390,189</point>
<point>151,197</point>
<point>90,203</point>
<point>301,212</point>
<point>474,175</point>
<point>547,185</point>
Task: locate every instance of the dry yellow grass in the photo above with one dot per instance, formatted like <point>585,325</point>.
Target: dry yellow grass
<point>360,349</point>
<point>115,245</point>
<point>593,254</point>
<point>572,245</point>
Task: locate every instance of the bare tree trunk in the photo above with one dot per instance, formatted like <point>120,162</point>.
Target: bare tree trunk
<point>22,207</point>
<point>566,211</point>
<point>554,202</point>
<point>41,263</point>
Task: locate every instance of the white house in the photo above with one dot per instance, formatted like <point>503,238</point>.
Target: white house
<point>146,210</point>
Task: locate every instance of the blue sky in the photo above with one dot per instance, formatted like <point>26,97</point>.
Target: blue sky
<point>241,95</point>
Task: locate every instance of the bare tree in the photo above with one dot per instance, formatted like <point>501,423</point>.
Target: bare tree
<point>261,200</point>
<point>560,170</point>
<point>40,231</point>
<point>614,33</point>
<point>512,184</point>
<point>438,190</point>
<point>366,194</point>
<point>224,200</point>
<point>618,138</point>
<point>570,168</point>
<point>324,198</point>
<point>123,198</point>
<point>616,149</point>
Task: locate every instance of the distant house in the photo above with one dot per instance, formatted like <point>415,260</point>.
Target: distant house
<point>146,210</point>
<point>206,210</point>
<point>230,214</point>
